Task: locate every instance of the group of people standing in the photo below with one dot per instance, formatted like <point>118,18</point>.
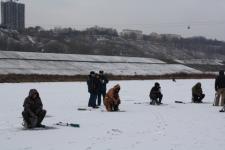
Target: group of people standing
<point>97,88</point>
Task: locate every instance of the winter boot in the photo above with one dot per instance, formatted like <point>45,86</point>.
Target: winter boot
<point>153,102</point>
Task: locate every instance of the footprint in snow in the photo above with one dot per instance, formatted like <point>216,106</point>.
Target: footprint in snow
<point>114,132</point>
<point>88,148</point>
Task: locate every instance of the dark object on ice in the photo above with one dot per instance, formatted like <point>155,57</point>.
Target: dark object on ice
<point>75,125</point>
<point>84,109</point>
<point>173,79</point>
<point>222,110</point>
<point>156,95</point>
<point>181,102</point>
<point>33,113</point>
<point>138,103</point>
<point>197,94</point>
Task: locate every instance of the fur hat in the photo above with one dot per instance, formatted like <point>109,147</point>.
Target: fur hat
<point>117,87</point>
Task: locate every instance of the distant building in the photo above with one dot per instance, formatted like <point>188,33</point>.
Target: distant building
<point>12,15</point>
<point>172,36</point>
<point>168,36</point>
<point>137,34</point>
<point>155,35</point>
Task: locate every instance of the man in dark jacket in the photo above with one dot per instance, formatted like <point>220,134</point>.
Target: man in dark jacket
<point>197,94</point>
<point>220,89</point>
<point>33,113</point>
<point>103,81</point>
<point>156,95</point>
<point>93,88</point>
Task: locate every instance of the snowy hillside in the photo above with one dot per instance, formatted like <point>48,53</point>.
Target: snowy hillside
<point>75,57</point>
<point>65,64</point>
<point>201,61</point>
<point>142,127</point>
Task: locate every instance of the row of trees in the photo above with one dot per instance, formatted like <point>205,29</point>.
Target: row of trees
<point>90,41</point>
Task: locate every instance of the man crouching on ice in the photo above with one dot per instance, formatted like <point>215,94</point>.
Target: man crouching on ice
<point>112,99</point>
<point>156,95</point>
<point>33,113</point>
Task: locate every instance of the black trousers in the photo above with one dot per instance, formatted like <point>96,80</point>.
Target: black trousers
<point>38,116</point>
<point>156,99</point>
<point>197,98</point>
<point>92,100</point>
<point>99,97</point>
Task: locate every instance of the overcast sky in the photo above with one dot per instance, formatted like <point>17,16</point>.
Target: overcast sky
<point>205,17</point>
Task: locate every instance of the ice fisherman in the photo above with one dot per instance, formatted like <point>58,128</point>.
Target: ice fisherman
<point>33,113</point>
<point>93,88</point>
<point>112,99</point>
<point>197,94</point>
<point>156,95</point>
<point>102,92</point>
<point>220,89</point>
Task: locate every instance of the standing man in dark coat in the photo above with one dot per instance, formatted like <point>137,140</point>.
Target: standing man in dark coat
<point>156,95</point>
<point>93,88</point>
<point>33,113</point>
<point>197,94</point>
<point>220,89</point>
<point>103,81</point>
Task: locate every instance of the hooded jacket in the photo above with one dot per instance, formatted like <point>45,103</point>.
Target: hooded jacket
<point>197,89</point>
<point>31,105</point>
<point>113,95</point>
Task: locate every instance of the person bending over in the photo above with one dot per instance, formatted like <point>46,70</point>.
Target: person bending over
<point>33,112</point>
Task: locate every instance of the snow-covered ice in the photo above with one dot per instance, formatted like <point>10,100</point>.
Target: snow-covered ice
<point>142,127</point>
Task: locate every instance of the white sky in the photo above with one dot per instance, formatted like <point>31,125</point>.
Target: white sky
<point>206,17</point>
